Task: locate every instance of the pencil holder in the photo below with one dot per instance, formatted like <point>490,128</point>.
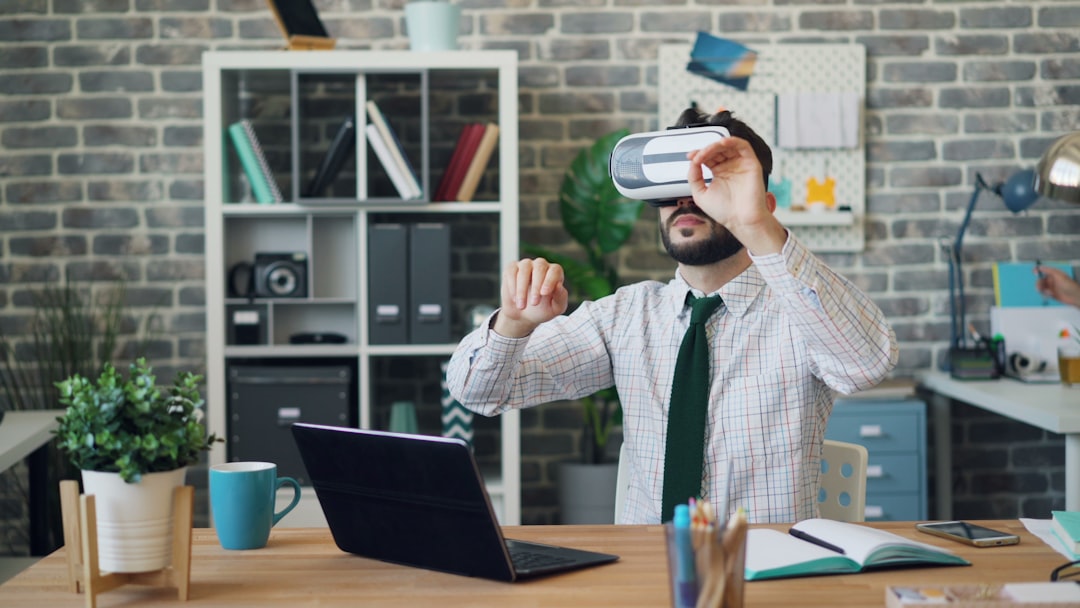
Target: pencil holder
<point>719,558</point>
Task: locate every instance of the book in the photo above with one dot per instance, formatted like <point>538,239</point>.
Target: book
<point>264,187</point>
<point>1014,284</point>
<point>397,151</point>
<point>987,595</point>
<point>773,554</point>
<point>479,162</point>
<point>341,147</point>
<point>1066,527</point>
<point>382,151</point>
<point>459,162</point>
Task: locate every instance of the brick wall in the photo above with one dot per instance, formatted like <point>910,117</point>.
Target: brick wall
<point>101,164</point>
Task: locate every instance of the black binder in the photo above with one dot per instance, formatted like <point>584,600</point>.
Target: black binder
<point>388,284</point>
<point>341,148</point>
<point>429,283</point>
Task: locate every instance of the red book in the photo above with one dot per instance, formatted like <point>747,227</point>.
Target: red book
<point>459,162</point>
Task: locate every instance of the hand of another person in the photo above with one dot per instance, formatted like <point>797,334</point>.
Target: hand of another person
<point>1058,285</point>
<point>532,293</point>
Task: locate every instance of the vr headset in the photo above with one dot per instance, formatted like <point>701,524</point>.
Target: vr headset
<point>652,166</point>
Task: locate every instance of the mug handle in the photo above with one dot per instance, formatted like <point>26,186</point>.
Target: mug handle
<point>296,497</point>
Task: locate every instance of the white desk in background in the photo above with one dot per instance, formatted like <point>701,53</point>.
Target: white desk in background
<point>24,434</point>
<point>1051,407</point>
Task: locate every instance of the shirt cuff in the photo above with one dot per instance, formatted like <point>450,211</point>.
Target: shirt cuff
<point>500,346</point>
<point>792,270</point>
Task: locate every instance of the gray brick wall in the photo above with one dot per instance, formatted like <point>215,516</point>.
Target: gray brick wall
<point>100,157</point>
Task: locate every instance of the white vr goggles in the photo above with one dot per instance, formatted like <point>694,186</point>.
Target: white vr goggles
<point>652,166</point>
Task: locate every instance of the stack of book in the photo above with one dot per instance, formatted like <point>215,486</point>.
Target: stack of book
<point>1066,527</point>
<point>391,154</point>
<point>467,163</point>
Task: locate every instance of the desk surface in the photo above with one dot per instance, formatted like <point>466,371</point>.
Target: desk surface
<point>303,567</point>
<point>1053,407</point>
<point>22,432</point>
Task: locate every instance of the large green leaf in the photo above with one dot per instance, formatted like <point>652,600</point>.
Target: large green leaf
<point>593,211</point>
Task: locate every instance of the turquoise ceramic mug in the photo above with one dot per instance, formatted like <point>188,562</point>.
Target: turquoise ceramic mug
<point>242,498</point>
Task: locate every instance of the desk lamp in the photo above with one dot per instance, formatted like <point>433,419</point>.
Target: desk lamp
<point>1056,176</point>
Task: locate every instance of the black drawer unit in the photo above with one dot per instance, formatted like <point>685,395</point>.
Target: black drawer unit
<point>264,401</point>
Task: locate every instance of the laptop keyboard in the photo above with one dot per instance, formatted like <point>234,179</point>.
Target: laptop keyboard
<point>526,560</point>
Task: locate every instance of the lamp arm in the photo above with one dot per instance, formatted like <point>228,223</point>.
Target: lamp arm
<point>957,316</point>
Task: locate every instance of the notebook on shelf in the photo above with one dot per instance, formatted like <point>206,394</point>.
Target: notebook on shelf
<point>419,501</point>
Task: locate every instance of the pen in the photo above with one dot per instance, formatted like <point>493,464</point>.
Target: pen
<point>686,574</point>
<point>974,334</point>
<point>813,539</point>
<point>1041,275</point>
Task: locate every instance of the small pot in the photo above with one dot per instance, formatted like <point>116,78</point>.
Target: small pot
<point>134,520</point>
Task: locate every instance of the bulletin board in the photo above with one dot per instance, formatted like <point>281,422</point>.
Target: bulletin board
<point>785,69</point>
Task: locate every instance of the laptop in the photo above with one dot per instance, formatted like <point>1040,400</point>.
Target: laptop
<point>420,501</point>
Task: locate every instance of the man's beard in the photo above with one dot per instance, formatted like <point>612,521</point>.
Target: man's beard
<point>720,245</point>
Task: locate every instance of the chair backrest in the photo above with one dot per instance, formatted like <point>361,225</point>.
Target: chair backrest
<point>622,481</point>
<point>843,481</point>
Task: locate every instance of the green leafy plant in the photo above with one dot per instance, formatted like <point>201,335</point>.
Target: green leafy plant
<point>600,220</point>
<point>129,426</point>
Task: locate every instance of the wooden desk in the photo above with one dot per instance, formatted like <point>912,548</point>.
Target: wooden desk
<point>302,567</point>
<point>1052,407</point>
<point>24,434</point>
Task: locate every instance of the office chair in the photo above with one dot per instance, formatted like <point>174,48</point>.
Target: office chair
<point>843,481</point>
<point>622,481</point>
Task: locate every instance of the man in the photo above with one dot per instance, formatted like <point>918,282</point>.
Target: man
<point>789,335</point>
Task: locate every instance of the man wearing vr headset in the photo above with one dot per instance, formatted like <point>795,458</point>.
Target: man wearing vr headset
<point>790,334</point>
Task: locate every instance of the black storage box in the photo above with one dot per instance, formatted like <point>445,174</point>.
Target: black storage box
<point>265,400</point>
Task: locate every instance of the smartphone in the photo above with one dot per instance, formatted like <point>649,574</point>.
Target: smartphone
<point>969,534</point>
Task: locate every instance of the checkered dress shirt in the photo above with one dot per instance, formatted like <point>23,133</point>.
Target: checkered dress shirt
<point>791,335</point>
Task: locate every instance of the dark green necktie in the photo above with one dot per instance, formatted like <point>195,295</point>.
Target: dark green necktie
<point>685,453</point>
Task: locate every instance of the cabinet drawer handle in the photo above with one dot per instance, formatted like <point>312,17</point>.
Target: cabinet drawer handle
<point>872,511</point>
<point>874,471</point>
<point>870,430</point>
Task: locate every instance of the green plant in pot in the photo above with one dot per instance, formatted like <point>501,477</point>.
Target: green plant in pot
<point>133,440</point>
<point>600,220</point>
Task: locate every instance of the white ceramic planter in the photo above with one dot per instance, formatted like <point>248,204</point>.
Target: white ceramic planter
<point>134,520</point>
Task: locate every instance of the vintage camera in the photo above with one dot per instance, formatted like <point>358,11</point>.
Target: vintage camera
<point>280,275</point>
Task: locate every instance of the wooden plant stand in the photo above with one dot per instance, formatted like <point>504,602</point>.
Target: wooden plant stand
<point>80,540</point>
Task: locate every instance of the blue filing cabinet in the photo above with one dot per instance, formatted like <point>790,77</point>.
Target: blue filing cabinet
<point>894,433</point>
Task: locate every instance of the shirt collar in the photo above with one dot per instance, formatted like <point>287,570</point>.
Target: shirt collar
<point>738,293</point>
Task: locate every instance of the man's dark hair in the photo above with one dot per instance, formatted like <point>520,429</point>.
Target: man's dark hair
<point>694,117</point>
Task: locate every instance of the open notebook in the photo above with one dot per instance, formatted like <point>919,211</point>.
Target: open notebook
<point>773,554</point>
<point>420,501</point>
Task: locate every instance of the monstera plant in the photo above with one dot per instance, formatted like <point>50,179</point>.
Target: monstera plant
<point>600,220</point>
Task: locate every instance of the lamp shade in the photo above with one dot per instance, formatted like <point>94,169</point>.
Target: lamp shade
<point>1018,192</point>
<point>1057,175</point>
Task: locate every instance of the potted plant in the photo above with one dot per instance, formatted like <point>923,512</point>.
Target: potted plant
<point>133,443</point>
<point>600,220</point>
